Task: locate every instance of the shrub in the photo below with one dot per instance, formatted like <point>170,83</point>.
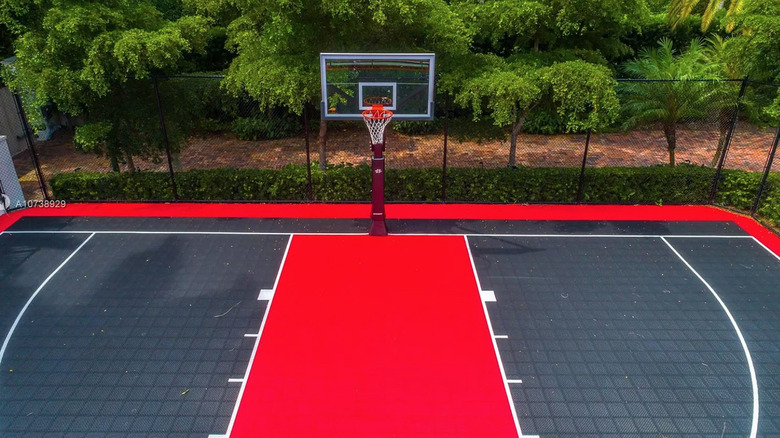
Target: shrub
<point>267,127</point>
<point>648,185</point>
<point>417,127</point>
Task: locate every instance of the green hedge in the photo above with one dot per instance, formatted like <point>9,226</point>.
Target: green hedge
<point>647,185</point>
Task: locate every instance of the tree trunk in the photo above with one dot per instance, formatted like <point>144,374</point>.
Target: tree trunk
<point>322,139</point>
<point>130,163</point>
<point>670,132</point>
<point>724,122</point>
<point>176,161</point>
<point>516,129</point>
<point>114,163</point>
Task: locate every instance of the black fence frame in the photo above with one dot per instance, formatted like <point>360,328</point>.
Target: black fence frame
<point>307,112</point>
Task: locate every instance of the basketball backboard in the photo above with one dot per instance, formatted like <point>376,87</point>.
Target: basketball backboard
<point>401,82</point>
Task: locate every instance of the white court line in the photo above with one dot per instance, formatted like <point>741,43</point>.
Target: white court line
<point>488,296</point>
<point>753,379</point>
<point>264,233</point>
<point>251,335</point>
<point>764,246</point>
<point>618,236</point>
<point>238,380</point>
<point>493,339</point>
<point>254,350</point>
<point>268,294</point>
<point>197,233</point>
<point>35,294</point>
<point>514,381</point>
<point>265,295</point>
<point>501,336</point>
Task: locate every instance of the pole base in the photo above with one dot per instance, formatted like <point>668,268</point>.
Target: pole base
<point>378,228</point>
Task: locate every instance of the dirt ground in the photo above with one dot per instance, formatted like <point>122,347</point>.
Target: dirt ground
<point>748,151</point>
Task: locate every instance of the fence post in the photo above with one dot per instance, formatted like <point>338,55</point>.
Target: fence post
<point>309,188</point>
<point>770,158</point>
<point>165,139</point>
<point>31,145</point>
<point>581,182</point>
<point>727,142</point>
<point>446,138</point>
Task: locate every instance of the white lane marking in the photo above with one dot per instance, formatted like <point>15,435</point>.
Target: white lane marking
<point>268,294</point>
<point>764,246</point>
<point>235,380</point>
<point>501,336</point>
<point>251,335</point>
<point>488,296</point>
<point>35,294</point>
<point>493,339</point>
<point>254,349</point>
<point>514,381</point>
<point>753,379</point>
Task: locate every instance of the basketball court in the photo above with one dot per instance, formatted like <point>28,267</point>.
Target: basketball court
<point>244,320</point>
<point>288,320</point>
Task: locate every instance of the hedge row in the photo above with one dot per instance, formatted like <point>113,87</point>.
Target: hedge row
<point>648,185</point>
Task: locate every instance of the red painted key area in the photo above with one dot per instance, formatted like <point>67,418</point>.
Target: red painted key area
<point>375,337</point>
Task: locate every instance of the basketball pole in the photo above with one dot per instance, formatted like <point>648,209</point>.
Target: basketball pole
<point>378,225</point>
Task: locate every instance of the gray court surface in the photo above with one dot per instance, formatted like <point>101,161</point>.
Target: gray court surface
<point>136,335</point>
<point>138,326</point>
<point>617,336</point>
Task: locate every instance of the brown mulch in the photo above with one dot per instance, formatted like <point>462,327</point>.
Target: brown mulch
<point>748,151</point>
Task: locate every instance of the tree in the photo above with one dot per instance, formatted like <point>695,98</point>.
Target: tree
<point>95,59</point>
<point>506,27</point>
<point>676,96</point>
<point>277,42</point>
<point>582,93</point>
<point>679,10</point>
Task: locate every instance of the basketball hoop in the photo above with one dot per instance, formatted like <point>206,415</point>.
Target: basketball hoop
<point>377,118</point>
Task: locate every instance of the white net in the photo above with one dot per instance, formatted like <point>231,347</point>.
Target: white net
<point>376,123</point>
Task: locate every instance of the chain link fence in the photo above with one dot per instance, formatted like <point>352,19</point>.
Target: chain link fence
<point>203,142</point>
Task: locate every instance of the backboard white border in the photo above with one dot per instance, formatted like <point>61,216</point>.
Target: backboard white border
<point>376,84</point>
<point>430,57</point>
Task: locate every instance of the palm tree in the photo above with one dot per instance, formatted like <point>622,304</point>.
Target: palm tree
<point>674,95</point>
<point>717,54</point>
<point>679,10</point>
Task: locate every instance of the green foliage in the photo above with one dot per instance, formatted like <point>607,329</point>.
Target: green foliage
<point>265,127</point>
<point>277,43</point>
<point>93,137</point>
<point>505,27</point>
<point>648,185</point>
<point>413,127</point>
<point>680,96</point>
<point>755,39</point>
<point>581,93</point>
<point>679,10</point>
<point>95,59</point>
<point>543,121</point>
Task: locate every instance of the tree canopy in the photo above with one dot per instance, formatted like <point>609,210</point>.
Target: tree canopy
<point>91,58</point>
<point>277,43</point>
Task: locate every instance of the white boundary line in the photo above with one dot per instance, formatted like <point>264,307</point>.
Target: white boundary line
<point>254,350</point>
<point>753,379</point>
<point>35,294</point>
<point>493,340</point>
<point>199,233</point>
<point>273,233</point>
<point>768,250</point>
